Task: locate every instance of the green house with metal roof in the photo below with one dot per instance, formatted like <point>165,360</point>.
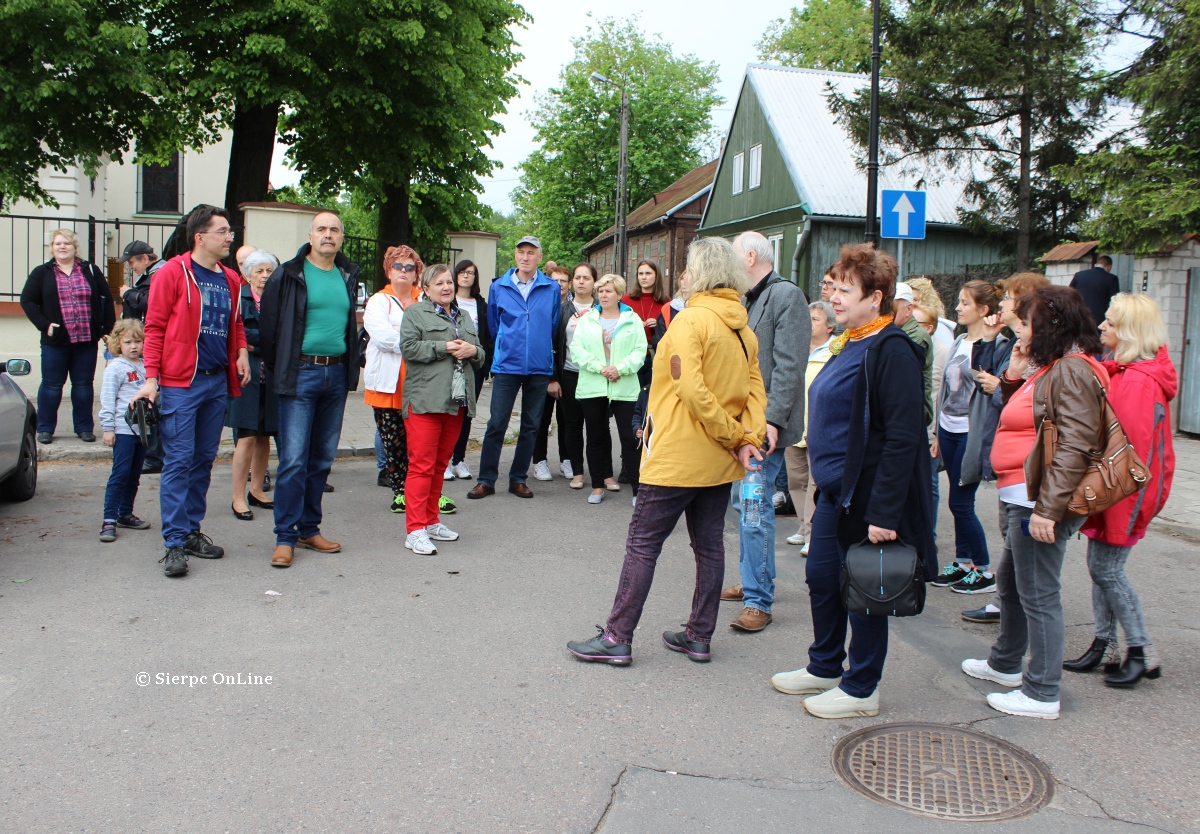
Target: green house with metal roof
<point>791,172</point>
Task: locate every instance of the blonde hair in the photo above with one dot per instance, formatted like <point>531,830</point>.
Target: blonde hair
<point>1139,324</point>
<point>432,272</point>
<point>132,327</point>
<point>926,298</point>
<point>610,278</point>
<point>713,265</point>
<point>71,237</point>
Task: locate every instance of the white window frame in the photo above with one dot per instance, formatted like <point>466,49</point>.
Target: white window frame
<point>755,166</point>
<point>739,166</point>
<point>776,242</point>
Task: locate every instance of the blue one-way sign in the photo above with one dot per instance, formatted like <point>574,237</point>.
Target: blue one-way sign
<point>903,215</point>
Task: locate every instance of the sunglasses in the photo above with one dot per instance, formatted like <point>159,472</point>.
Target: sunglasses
<point>404,267</point>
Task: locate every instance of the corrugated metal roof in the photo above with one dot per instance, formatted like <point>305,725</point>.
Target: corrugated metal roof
<point>823,159</point>
<point>666,202</point>
<point>1070,252</point>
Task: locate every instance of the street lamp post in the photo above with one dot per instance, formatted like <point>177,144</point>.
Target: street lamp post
<point>873,140</point>
<point>621,244</point>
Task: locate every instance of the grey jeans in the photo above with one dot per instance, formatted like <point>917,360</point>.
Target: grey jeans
<point>1029,585</point>
<point>1113,597</point>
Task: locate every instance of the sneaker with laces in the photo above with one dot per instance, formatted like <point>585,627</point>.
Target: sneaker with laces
<point>175,562</point>
<point>202,547</point>
<point>802,682</point>
<point>953,572</point>
<point>975,583</point>
<point>418,542</point>
<point>449,473</point>
<point>983,670</point>
<point>446,506</point>
<point>796,539</point>
<point>461,471</point>
<point>108,531</point>
<point>777,499</point>
<point>398,504</point>
<point>441,533</point>
<point>835,703</point>
<point>602,650</point>
<point>566,470</point>
<point>132,522</point>
<point>541,470</point>
<point>1018,703</point>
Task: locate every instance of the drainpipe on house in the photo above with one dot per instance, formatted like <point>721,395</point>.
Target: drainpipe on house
<point>801,246</point>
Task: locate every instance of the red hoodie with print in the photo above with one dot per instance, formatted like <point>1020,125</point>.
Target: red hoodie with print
<point>1141,394</point>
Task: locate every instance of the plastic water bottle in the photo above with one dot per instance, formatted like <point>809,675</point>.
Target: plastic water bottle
<point>753,493</point>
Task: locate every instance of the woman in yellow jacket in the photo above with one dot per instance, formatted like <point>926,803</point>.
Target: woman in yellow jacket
<point>704,423</point>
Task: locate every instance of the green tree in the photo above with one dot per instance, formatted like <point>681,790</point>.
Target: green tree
<point>1003,87</point>
<point>826,34</point>
<point>1146,185</point>
<point>568,185</point>
<point>511,228</point>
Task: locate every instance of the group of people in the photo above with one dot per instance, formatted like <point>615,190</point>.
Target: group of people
<point>855,401</point>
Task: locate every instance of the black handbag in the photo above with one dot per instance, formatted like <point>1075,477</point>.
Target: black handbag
<point>883,580</point>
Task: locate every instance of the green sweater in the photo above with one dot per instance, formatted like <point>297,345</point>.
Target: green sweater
<point>628,353</point>
<point>917,333</point>
<point>430,369</point>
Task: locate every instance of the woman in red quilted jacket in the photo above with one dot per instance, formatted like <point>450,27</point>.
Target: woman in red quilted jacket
<point>1143,383</point>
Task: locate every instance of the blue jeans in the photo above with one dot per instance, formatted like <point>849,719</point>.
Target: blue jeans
<point>128,456</point>
<point>1113,596</point>
<point>505,388</point>
<point>58,362</point>
<point>970,542</point>
<point>380,457</point>
<point>190,424</point>
<point>757,561</point>
<point>868,635</point>
<point>310,424</point>
<point>937,497</point>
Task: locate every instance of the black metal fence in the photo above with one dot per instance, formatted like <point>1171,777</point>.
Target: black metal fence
<point>368,253</point>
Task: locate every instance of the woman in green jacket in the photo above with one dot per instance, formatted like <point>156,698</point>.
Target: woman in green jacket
<point>442,354</point>
<point>609,347</point>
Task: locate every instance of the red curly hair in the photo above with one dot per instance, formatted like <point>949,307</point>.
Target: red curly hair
<point>870,268</point>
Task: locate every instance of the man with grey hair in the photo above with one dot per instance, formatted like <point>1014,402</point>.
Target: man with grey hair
<point>779,315</point>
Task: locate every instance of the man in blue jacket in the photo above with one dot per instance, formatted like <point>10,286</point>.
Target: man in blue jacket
<point>523,308</point>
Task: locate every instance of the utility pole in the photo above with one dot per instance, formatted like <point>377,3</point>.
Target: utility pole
<point>873,141</point>
<point>620,240</point>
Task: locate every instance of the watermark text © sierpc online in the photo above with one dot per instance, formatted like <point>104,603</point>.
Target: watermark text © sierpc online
<point>213,679</point>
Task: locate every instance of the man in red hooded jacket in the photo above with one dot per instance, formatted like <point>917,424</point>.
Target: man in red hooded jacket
<point>196,358</point>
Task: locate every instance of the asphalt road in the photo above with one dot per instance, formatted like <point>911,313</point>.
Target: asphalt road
<point>434,694</point>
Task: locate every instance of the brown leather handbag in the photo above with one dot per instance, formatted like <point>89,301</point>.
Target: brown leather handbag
<point>1114,470</point>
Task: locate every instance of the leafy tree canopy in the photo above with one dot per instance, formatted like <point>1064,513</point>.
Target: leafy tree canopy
<point>568,185</point>
<point>826,34</point>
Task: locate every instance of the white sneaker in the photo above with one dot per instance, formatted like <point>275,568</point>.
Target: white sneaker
<point>980,669</point>
<point>418,542</point>
<point>441,533</point>
<point>596,498</point>
<point>837,704</point>
<point>634,501</point>
<point>800,682</point>
<point>566,469</point>
<point>777,499</point>
<point>1018,703</point>
<point>449,476</point>
<point>461,471</point>
<point>541,470</point>
<point>795,539</point>
<point>804,550</point>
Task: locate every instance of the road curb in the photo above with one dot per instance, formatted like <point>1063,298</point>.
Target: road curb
<point>75,454</point>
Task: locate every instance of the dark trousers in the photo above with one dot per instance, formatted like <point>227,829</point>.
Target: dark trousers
<point>970,542</point>
<point>542,444</point>
<point>58,362</point>
<point>868,635</point>
<point>128,456</point>
<point>655,516</point>
<point>505,387</point>
<point>464,434</point>
<point>599,439</point>
<point>570,425</point>
<point>389,426</point>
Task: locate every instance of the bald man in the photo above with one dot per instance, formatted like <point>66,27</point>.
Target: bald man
<point>243,252</point>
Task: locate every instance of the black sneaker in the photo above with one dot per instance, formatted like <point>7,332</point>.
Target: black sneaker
<point>382,479</point>
<point>677,641</point>
<point>132,522</point>
<point>446,506</point>
<point>86,436</point>
<point>202,547</point>
<point>45,438</point>
<point>953,572</point>
<point>328,488</point>
<point>152,469</point>
<point>602,650</point>
<point>981,615</point>
<point>108,531</point>
<point>175,562</point>
<point>975,583</point>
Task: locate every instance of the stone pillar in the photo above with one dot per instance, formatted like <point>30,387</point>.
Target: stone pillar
<point>479,247</point>
<point>279,228</point>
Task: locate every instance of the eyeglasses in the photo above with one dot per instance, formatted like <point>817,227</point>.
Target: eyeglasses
<point>827,285</point>
<point>221,232</point>
<point>404,267</point>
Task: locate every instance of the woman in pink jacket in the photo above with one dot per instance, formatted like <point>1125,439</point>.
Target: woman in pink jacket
<point>1143,383</point>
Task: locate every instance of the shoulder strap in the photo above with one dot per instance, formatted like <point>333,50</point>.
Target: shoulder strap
<point>738,333</point>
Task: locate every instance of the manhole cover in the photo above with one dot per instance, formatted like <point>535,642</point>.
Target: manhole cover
<point>943,772</point>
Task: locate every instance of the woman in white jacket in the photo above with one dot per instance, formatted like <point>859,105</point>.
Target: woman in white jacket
<point>384,371</point>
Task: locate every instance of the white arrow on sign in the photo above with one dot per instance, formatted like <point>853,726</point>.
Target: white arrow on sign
<point>903,209</point>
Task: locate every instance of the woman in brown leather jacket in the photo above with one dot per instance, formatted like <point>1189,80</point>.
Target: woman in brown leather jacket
<point>1053,357</point>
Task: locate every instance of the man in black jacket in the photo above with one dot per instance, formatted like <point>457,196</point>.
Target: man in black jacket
<point>1097,286</point>
<point>143,263</point>
<point>309,341</point>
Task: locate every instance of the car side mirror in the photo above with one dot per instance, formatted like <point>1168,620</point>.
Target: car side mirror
<point>17,367</point>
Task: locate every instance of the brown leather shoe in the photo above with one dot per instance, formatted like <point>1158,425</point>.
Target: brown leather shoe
<point>751,619</point>
<point>732,594</point>
<point>282,557</point>
<point>520,490</point>
<point>481,491</point>
<point>319,543</point>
